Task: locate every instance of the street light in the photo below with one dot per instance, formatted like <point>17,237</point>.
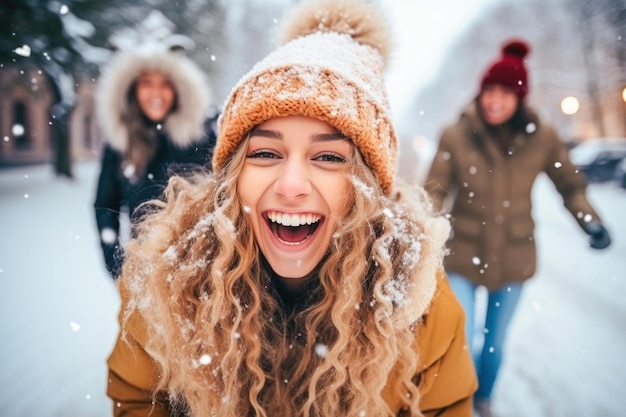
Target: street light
<point>570,105</point>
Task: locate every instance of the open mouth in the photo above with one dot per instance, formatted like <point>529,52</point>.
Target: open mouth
<point>156,103</point>
<point>293,229</point>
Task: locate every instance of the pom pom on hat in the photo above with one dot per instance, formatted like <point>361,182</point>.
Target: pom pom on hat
<point>516,48</point>
<point>360,21</point>
<point>509,70</point>
<point>330,68</point>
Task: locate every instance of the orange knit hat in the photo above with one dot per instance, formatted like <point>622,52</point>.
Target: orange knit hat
<point>331,69</point>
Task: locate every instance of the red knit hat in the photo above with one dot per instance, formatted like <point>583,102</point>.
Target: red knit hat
<point>509,70</point>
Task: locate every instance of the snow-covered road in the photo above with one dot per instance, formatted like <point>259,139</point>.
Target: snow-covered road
<point>566,351</point>
<point>565,357</point>
<point>57,305</point>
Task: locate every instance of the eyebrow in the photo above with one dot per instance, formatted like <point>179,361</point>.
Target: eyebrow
<point>275,134</point>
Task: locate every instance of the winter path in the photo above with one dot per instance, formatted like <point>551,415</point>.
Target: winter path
<point>565,352</point>
<point>57,305</point>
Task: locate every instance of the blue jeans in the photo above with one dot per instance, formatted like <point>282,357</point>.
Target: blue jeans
<point>501,305</point>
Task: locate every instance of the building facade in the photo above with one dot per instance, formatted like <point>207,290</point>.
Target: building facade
<point>31,132</point>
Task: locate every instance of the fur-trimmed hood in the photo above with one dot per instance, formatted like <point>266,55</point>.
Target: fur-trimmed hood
<point>184,126</point>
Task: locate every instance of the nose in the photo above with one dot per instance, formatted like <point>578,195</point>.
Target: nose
<point>293,181</point>
<point>156,91</point>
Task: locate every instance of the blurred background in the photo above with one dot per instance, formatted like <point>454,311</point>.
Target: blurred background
<point>58,305</point>
<point>51,53</point>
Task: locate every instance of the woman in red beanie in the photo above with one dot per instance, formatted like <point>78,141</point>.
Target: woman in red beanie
<point>488,161</point>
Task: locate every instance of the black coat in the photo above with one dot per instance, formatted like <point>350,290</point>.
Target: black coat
<point>116,193</point>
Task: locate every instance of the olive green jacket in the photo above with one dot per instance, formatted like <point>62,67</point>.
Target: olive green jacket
<point>489,192</point>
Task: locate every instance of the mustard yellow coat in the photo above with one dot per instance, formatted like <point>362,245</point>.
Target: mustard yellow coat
<point>447,377</point>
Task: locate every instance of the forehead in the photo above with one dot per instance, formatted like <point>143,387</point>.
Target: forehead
<point>299,129</point>
<point>295,122</point>
<point>501,88</point>
<point>152,74</point>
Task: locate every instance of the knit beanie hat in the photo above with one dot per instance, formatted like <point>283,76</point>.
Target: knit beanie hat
<point>509,70</point>
<point>329,68</point>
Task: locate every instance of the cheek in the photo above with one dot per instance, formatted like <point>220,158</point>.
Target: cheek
<point>512,105</point>
<point>140,93</point>
<point>486,100</point>
<point>143,102</point>
<point>168,94</point>
<point>248,191</point>
<point>338,196</point>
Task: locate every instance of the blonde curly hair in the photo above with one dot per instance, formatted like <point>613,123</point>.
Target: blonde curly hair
<point>222,341</point>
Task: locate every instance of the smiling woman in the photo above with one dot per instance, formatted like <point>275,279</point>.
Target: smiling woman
<point>484,173</point>
<point>294,181</point>
<point>298,279</point>
<point>153,109</point>
<point>155,95</point>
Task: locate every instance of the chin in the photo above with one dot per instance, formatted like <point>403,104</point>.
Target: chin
<point>295,269</point>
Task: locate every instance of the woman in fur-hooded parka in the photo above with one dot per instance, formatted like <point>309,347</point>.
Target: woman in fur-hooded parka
<point>140,154</point>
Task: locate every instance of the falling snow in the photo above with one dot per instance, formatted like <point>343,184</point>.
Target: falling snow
<point>321,350</point>
<point>17,130</point>
<point>50,279</point>
<point>23,50</point>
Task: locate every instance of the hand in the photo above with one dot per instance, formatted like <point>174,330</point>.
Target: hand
<point>598,235</point>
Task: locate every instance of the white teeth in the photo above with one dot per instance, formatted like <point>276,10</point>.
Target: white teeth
<point>294,220</point>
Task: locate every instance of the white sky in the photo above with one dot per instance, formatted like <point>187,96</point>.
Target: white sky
<point>424,29</point>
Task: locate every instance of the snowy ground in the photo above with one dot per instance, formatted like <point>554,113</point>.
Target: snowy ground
<point>57,305</point>
<point>566,351</point>
<point>566,354</point>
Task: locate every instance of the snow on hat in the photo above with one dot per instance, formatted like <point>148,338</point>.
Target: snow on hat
<point>509,70</point>
<point>329,68</point>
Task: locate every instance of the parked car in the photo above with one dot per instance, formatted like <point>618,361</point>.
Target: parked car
<point>600,159</point>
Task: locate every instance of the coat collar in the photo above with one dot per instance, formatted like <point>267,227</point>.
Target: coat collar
<point>485,138</point>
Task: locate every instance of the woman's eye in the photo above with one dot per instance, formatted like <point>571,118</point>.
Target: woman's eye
<point>262,153</point>
<point>330,157</point>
